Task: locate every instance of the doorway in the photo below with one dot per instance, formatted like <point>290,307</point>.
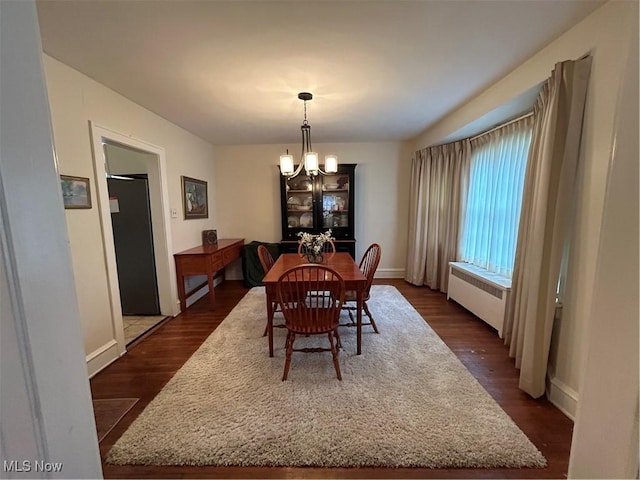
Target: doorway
<point>131,221</point>
<point>133,241</point>
<point>117,155</point>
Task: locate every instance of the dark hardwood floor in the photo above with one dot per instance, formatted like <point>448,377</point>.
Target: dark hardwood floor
<point>151,362</point>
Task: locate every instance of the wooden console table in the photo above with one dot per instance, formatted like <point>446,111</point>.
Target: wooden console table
<point>205,260</point>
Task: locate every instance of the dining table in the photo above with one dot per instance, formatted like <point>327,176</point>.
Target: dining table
<point>341,262</point>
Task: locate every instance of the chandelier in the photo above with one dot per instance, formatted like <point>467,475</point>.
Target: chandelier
<point>309,158</point>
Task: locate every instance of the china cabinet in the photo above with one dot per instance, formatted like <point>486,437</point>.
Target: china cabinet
<point>315,204</point>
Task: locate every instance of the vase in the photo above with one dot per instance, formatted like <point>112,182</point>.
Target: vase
<point>314,257</point>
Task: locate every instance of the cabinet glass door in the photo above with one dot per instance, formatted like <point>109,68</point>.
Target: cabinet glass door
<point>335,201</point>
<point>300,202</point>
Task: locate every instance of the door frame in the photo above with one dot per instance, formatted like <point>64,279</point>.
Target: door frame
<point>165,273</point>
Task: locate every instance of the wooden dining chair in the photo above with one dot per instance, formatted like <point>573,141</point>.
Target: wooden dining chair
<point>368,265</point>
<point>315,315</point>
<point>267,261</point>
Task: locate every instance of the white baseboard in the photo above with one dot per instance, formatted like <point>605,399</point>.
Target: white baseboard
<point>197,295</point>
<point>202,292</point>
<point>563,397</point>
<point>102,357</point>
<point>390,273</point>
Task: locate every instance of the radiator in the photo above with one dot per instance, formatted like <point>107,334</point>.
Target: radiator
<point>484,294</point>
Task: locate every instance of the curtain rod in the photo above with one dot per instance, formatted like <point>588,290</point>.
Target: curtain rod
<point>502,125</point>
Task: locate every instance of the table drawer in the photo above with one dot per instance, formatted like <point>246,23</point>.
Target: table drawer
<point>192,264</point>
<point>217,262</point>
<point>230,254</point>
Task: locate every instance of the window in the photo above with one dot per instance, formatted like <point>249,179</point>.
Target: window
<point>496,181</point>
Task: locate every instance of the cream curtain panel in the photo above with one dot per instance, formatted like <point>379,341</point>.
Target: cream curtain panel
<point>439,179</point>
<point>548,196</point>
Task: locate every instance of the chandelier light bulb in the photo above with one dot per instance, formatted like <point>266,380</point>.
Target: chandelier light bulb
<point>331,164</point>
<point>286,164</point>
<point>310,160</point>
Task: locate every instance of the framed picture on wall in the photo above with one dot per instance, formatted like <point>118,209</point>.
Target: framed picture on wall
<point>76,192</point>
<point>194,198</point>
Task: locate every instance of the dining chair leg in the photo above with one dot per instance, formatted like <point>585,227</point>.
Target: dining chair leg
<point>353,320</point>
<point>338,341</point>
<point>334,352</point>
<point>373,322</point>
<point>289,346</point>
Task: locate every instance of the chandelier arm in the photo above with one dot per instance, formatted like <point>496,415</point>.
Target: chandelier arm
<point>301,166</point>
<point>304,143</point>
<point>297,171</point>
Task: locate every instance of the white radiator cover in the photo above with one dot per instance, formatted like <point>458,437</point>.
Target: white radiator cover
<point>483,293</point>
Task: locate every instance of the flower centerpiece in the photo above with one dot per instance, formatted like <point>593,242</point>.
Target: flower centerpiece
<point>313,245</point>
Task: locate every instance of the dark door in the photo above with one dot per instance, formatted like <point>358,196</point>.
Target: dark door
<point>133,238</point>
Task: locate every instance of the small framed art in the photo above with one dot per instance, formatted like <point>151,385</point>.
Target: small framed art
<point>76,192</point>
<point>194,198</point>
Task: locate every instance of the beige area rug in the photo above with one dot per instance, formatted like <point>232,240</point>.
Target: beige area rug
<point>407,401</point>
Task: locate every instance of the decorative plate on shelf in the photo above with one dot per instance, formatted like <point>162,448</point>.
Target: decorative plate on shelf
<point>293,221</point>
<point>306,220</point>
<point>308,201</point>
<point>293,203</point>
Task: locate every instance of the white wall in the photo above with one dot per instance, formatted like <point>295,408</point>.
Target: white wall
<point>46,413</point>
<point>605,441</point>
<point>122,160</point>
<point>603,34</point>
<point>75,99</point>
<point>248,195</point>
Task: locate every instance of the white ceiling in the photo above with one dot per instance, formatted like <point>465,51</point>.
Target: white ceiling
<point>230,71</point>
